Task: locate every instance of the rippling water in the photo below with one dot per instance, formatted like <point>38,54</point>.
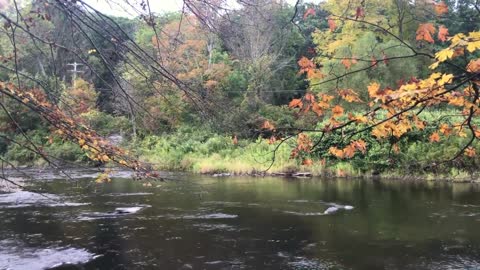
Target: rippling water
<point>200,222</point>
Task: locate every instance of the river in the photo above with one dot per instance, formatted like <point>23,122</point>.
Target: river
<point>200,222</point>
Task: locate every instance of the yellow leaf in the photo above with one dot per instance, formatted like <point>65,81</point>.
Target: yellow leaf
<point>434,65</point>
<point>444,54</point>
<point>473,46</point>
<point>81,142</point>
<point>446,78</point>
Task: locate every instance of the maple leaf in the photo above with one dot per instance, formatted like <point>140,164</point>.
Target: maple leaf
<point>425,32</point>
<point>349,95</point>
<point>337,111</point>
<point>373,89</point>
<point>442,33</point>
<point>346,62</point>
<point>474,66</point>
<point>349,151</point>
<point>473,46</point>
<point>360,145</point>
<point>336,152</point>
<point>296,102</point>
<point>305,65</point>
<point>441,8</point>
<point>309,97</point>
<point>444,54</point>
<point>309,12</point>
<point>434,137</point>
<point>331,24</point>
<point>470,152</point>
<point>445,129</point>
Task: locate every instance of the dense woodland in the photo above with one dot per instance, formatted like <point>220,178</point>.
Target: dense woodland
<point>341,88</point>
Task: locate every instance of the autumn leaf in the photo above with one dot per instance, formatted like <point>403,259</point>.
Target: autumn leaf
<point>336,152</point>
<point>474,66</point>
<point>441,8</point>
<point>331,24</point>
<point>349,151</point>
<point>434,137</point>
<point>425,32</point>
<point>305,65</point>
<point>360,145</point>
<point>309,12</point>
<point>445,54</point>
<point>442,33</point>
<point>337,111</point>
<point>346,62</point>
<point>309,97</point>
<point>307,162</point>
<point>445,129</point>
<point>373,89</point>
<point>296,102</point>
<point>349,95</point>
<point>470,152</point>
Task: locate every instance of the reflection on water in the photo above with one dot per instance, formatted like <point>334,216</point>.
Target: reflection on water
<point>243,223</point>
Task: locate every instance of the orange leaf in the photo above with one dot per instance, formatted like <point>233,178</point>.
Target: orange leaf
<point>296,102</point>
<point>305,65</point>
<point>337,111</point>
<point>425,32</point>
<point>309,97</point>
<point>442,33</point>
<point>307,162</point>
<point>435,137</point>
<point>470,151</point>
<point>441,8</point>
<point>373,89</point>
<point>349,151</point>
<point>331,24</point>
<point>346,62</point>
<point>474,66</point>
<point>349,95</point>
<point>336,152</point>
<point>309,12</point>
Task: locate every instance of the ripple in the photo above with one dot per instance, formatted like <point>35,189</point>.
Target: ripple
<point>15,256</point>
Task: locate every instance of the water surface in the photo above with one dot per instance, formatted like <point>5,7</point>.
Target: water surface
<point>201,222</point>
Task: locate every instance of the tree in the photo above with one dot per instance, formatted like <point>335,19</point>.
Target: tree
<point>386,112</point>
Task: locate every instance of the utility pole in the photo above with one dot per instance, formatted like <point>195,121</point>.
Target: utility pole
<point>75,71</point>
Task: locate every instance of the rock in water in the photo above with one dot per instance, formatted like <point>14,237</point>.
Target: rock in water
<point>331,210</point>
<point>128,210</point>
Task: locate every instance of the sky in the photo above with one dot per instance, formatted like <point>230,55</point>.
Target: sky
<point>159,6</point>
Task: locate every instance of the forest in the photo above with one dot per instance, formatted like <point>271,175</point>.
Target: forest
<point>336,88</point>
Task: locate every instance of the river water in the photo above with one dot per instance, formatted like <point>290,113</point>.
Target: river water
<point>198,222</point>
